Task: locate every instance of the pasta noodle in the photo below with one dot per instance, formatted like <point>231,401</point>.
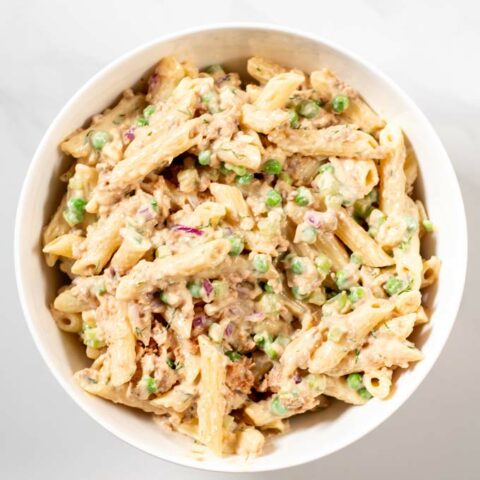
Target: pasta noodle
<point>211,404</point>
<point>334,141</point>
<point>239,254</point>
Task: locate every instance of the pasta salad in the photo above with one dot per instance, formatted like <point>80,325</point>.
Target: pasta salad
<point>238,254</point>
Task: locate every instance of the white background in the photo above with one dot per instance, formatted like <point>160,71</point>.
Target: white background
<point>48,49</point>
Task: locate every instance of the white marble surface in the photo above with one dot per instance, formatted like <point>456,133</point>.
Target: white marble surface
<point>48,49</point>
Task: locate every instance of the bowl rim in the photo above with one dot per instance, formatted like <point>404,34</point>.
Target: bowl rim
<point>30,179</point>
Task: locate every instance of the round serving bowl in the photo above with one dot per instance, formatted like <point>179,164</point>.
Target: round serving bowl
<point>312,436</point>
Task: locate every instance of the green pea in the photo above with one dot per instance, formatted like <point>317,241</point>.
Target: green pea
<point>356,294</point>
<point>195,289</point>
<point>142,121</point>
<point>75,211</point>
<point>285,177</point>
<point>365,394</point>
<point>244,179</point>
<point>323,264</point>
<point>303,197</point>
<point>236,246</point>
<point>151,385</point>
<point>204,157</point>
<point>297,266</point>
<point>224,170</point>
<point>163,297</point>
<point>238,169</point>
<point>273,198</point>
<point>98,139</point>
<point>340,103</point>
<point>341,279</point>
<point>356,259</point>
<point>211,69</point>
<point>308,108</point>
<point>267,288</point>
<point>326,167</point>
<point>261,263</point>
<point>428,226</point>
<point>148,111</point>
<point>355,381</point>
<point>259,340</point>
<point>297,295</point>
<point>293,118</point>
<point>271,352</point>
<point>233,356</point>
<point>394,285</point>
<point>276,406</point>
<point>272,166</point>
<point>90,338</point>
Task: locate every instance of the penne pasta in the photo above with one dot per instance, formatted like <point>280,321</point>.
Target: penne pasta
<point>278,90</point>
<point>102,241</point>
<point>64,246</point>
<point>359,242</point>
<point>232,199</point>
<point>211,404</point>
<point>335,141</point>
<point>262,69</point>
<point>392,175</point>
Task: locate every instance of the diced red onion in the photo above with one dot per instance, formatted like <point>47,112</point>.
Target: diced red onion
<point>222,79</point>
<point>198,322</point>
<point>146,213</point>
<point>314,218</point>
<point>207,286</point>
<point>185,228</point>
<point>256,317</point>
<point>130,134</point>
<point>326,221</point>
<point>297,378</point>
<point>229,330</point>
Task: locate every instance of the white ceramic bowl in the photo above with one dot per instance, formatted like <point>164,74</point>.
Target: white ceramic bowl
<point>312,436</point>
